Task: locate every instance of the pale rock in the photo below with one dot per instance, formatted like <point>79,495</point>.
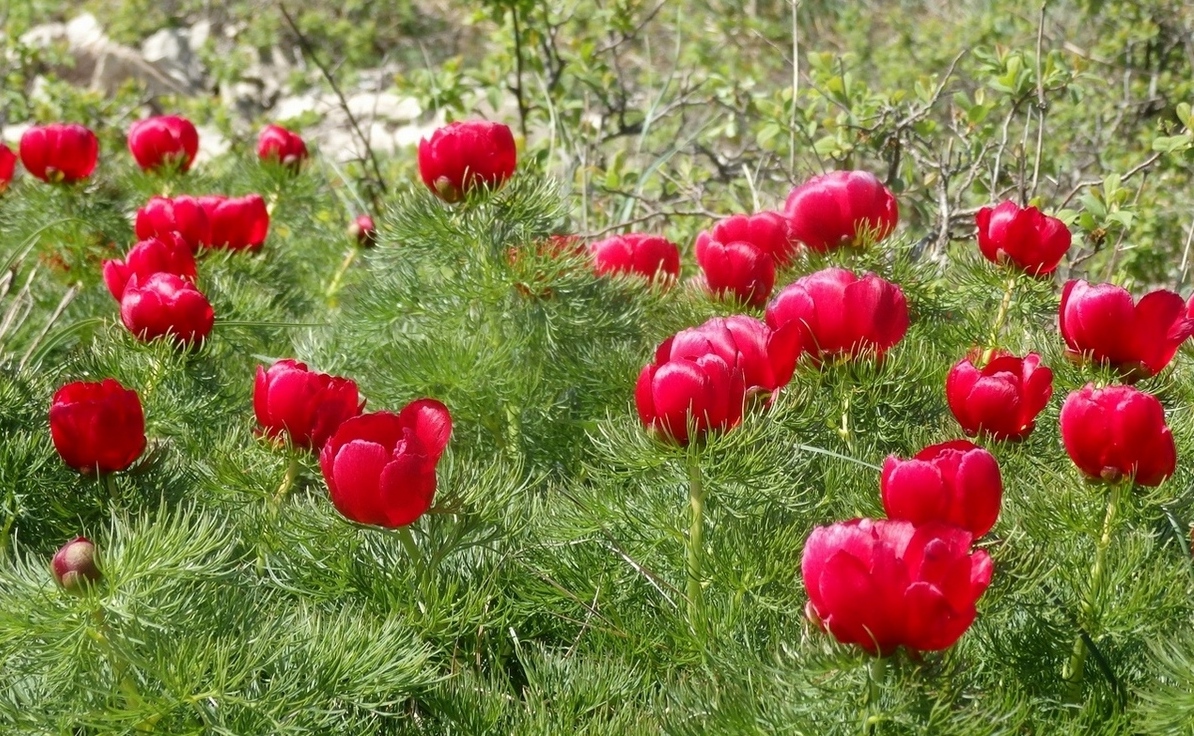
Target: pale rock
<point>384,105</point>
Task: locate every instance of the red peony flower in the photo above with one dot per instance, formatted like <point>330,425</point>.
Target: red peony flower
<point>685,399</point>
<point>843,314</point>
<point>737,269</point>
<point>1033,242</point>
<point>97,426</point>
<point>841,208</point>
<point>1100,322</point>
<point>1003,398</point>
<point>75,565</point>
<point>954,483</point>
<point>59,152</point>
<point>463,156</point>
<point>280,145</point>
<point>380,467</point>
<point>767,359</point>
<point>8,166</point>
<point>162,216</point>
<point>1118,431</point>
<point>165,304</point>
<point>886,584</point>
<point>169,254</point>
<point>303,404</point>
<point>363,231</point>
<point>653,256</point>
<point>766,231</point>
<point>162,141</point>
<point>237,223</point>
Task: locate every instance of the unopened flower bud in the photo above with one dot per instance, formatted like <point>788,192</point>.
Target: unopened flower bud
<point>363,231</point>
<point>74,565</point>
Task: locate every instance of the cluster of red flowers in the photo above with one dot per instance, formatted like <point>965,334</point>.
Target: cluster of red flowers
<point>379,467</point>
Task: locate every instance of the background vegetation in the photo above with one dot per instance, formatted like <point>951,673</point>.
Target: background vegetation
<point>547,598</point>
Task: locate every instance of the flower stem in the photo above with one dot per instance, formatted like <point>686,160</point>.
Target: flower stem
<point>696,540</point>
<point>1001,316</point>
<point>113,489</point>
<point>334,284</point>
<point>412,549</point>
<point>1093,600</point>
<point>876,676</point>
<point>292,472</point>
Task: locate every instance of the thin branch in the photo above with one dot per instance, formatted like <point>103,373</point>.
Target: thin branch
<point>309,51</point>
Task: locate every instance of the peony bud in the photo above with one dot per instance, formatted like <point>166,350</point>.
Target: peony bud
<point>1033,242</point>
<point>169,254</point>
<point>306,405</point>
<point>166,140</point>
<point>59,152</point>
<point>463,156</point>
<point>380,467</point>
<point>954,483</point>
<point>184,215</point>
<point>844,314</point>
<point>885,584</point>
<point>8,167</point>
<point>1099,322</point>
<point>363,231</point>
<point>683,400</point>
<point>769,232</point>
<point>841,208</point>
<point>767,359</point>
<point>76,566</point>
<point>1002,399</point>
<point>165,304</point>
<point>736,269</point>
<point>652,256</point>
<point>281,146</point>
<point>97,427</point>
<point>237,223</point>
<point>1116,432</point>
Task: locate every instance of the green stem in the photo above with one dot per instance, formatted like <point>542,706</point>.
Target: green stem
<point>696,540</point>
<point>876,676</point>
<point>113,488</point>
<point>334,285</point>
<point>292,472</point>
<point>124,680</point>
<point>1092,603</point>
<point>1001,316</point>
<point>412,549</point>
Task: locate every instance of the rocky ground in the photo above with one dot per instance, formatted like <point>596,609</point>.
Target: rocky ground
<point>170,62</point>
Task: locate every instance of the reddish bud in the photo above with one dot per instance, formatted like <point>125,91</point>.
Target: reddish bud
<point>885,584</point>
<point>841,208</point>
<point>306,405</point>
<point>169,254</point>
<point>463,156</point>
<point>163,141</point>
<point>736,269</point>
<point>652,256</point>
<point>380,467</point>
<point>1116,432</point>
<point>1031,241</point>
<point>237,223</point>
<point>165,304</point>
<point>1002,399</point>
<point>75,566</point>
<point>184,215</point>
<point>97,427</point>
<point>281,146</point>
<point>843,314</point>
<point>685,399</point>
<point>1099,322</point>
<point>954,483</point>
<point>767,359</point>
<point>59,152</point>
<point>363,231</point>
